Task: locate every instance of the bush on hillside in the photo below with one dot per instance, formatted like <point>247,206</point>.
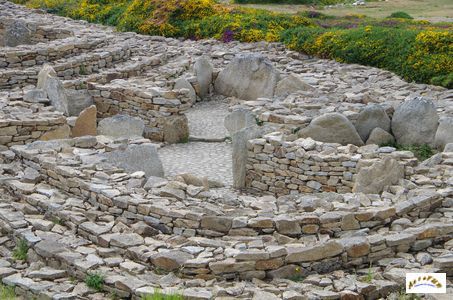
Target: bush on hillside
<point>400,15</point>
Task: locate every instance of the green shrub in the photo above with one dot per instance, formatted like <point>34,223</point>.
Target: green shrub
<point>94,281</point>
<point>422,152</point>
<point>400,15</point>
<point>158,295</point>
<point>315,2</point>
<point>21,250</point>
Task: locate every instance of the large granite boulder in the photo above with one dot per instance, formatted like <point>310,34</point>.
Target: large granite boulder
<point>332,128</point>
<point>444,133</point>
<point>203,71</point>
<point>373,179</point>
<point>248,77</point>
<point>143,157</point>
<point>238,119</point>
<point>371,117</point>
<point>176,129</point>
<point>121,126</point>
<point>17,33</point>
<point>380,137</point>
<point>290,84</point>
<point>415,122</point>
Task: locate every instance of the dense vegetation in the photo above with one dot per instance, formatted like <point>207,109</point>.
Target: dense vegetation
<point>416,50</point>
<point>322,2</point>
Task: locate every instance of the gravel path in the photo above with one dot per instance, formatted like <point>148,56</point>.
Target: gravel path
<point>202,159</point>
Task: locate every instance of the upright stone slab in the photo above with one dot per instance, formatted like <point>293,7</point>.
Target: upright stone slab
<point>332,128</point>
<point>248,77</point>
<point>380,137</point>
<point>373,179</point>
<point>176,129</point>
<point>78,100</point>
<point>17,33</point>
<point>62,132</point>
<point>53,87</point>
<point>143,157</point>
<point>121,126</point>
<point>86,122</point>
<point>238,119</point>
<point>182,83</point>
<point>371,117</point>
<point>203,70</point>
<point>444,133</point>
<point>415,122</point>
<point>240,139</point>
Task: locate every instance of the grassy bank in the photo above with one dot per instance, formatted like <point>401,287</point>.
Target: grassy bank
<point>415,50</point>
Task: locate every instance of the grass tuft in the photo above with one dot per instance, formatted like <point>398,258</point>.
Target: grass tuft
<point>7,292</point>
<point>20,252</point>
<point>158,295</point>
<point>95,281</point>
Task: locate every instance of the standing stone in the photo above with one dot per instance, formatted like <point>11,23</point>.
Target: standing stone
<point>415,122</point>
<point>182,83</point>
<point>143,157</point>
<point>371,117</point>
<point>17,33</point>
<point>292,83</point>
<point>121,126</point>
<point>332,128</point>
<point>444,133</point>
<point>85,123</point>
<point>53,87</point>
<point>62,132</point>
<point>203,70</point>
<point>36,96</point>
<point>380,137</point>
<point>240,139</point>
<point>176,129</point>
<point>238,119</point>
<point>373,179</point>
<point>78,100</point>
<point>248,77</point>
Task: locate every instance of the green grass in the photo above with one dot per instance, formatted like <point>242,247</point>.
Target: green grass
<point>421,152</point>
<point>7,292</point>
<point>20,252</point>
<point>158,295</point>
<point>95,281</point>
<point>369,276</point>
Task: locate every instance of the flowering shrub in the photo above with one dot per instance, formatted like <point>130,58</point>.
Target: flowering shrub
<point>414,49</point>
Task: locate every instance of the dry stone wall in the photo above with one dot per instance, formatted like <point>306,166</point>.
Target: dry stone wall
<point>307,166</point>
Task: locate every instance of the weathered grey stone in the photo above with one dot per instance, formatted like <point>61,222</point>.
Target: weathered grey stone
<point>182,83</point>
<point>203,70</point>
<point>313,253</point>
<point>46,72</point>
<point>448,147</point>
<point>239,153</point>
<point>121,126</point>
<point>248,77</point>
<point>290,84</point>
<point>78,100</point>
<point>170,260</point>
<point>238,119</point>
<point>332,128</point>
<point>371,117</point>
<point>36,96</point>
<point>55,92</point>
<point>444,133</point>
<point>415,122</point>
<point>380,137</point>
<point>373,179</point>
<point>176,129</point>
<point>17,33</point>
<point>135,158</point>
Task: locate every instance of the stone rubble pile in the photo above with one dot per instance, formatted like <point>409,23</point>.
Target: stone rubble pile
<point>93,121</point>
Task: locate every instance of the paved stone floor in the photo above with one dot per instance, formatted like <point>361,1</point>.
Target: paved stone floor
<point>202,159</point>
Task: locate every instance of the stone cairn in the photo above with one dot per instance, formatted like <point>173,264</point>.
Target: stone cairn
<point>321,205</point>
